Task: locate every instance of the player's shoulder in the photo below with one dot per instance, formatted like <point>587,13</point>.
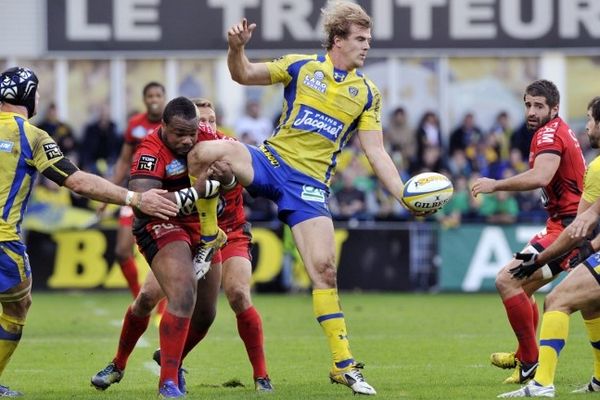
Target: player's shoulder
<point>594,167</point>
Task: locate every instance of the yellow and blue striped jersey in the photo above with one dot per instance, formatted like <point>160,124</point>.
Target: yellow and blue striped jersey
<point>591,182</point>
<point>323,106</point>
<point>24,150</point>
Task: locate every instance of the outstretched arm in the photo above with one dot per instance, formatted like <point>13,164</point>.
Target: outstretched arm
<point>241,69</point>
<point>540,175</point>
<point>372,144</point>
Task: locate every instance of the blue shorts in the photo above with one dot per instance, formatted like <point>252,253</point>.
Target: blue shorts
<point>592,263</point>
<point>14,264</point>
<point>298,196</point>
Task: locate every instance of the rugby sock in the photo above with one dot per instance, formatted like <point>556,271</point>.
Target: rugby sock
<point>207,210</point>
<point>326,308</point>
<point>162,306</point>
<point>250,330</point>
<point>536,313</point>
<point>11,329</point>
<point>553,335</point>
<point>520,315</point>
<point>193,338</point>
<point>133,328</point>
<point>593,330</point>
<point>173,332</point>
<point>129,268</point>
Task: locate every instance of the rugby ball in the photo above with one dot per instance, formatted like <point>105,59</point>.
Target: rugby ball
<point>428,191</point>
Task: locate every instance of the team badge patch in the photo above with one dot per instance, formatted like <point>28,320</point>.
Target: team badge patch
<point>146,163</point>
<point>176,167</point>
<point>6,146</point>
<point>52,151</point>
<point>353,91</point>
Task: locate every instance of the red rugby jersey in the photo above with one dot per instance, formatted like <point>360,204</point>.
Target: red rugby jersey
<point>561,196</point>
<point>138,127</point>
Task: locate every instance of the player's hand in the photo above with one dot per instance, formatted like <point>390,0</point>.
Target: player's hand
<point>239,34</point>
<point>585,250</point>
<point>527,266</point>
<point>483,185</point>
<point>583,224</point>
<point>153,203</point>
<point>221,171</point>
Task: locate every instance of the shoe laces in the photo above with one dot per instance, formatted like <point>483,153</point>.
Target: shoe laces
<point>109,369</point>
<point>356,373</point>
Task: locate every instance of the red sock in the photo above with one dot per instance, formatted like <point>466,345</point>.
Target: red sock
<point>133,328</point>
<point>162,306</point>
<point>129,268</point>
<point>173,331</point>
<point>520,315</point>
<point>193,338</point>
<point>536,313</point>
<point>250,330</point>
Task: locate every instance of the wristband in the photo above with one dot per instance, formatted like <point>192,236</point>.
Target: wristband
<point>230,184</point>
<point>129,197</point>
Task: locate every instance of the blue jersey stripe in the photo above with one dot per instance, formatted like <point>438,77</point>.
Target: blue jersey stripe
<point>289,94</point>
<point>21,171</point>
<point>369,96</point>
<point>343,141</point>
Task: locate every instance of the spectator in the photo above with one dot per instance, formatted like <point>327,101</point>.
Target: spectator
<point>257,127</point>
<point>465,137</point>
<point>101,144</point>
<point>502,131</point>
<point>521,140</point>
<point>60,131</point>
<point>399,138</point>
<point>500,207</point>
<point>428,135</point>
<point>459,206</point>
<point>351,202</point>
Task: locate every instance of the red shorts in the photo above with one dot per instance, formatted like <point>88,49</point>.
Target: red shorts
<point>545,238</point>
<point>154,235</point>
<point>239,243</point>
<point>126,216</point>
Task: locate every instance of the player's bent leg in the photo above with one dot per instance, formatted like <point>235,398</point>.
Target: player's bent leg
<point>125,258</point>
<point>237,273</point>
<point>173,269</point>
<point>518,306</point>
<point>315,241</point>
<point>235,153</point>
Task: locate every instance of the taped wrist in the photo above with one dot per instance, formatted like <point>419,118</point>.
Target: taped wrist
<point>211,188</point>
<point>186,200</point>
<point>231,184</point>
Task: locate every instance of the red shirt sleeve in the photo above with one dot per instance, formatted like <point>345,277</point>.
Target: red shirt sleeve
<point>148,161</point>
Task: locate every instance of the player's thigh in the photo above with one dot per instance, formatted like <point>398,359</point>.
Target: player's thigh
<point>316,243</point>
<point>579,290</point>
<point>172,267</point>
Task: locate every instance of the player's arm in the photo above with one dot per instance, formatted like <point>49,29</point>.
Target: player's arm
<point>544,168</point>
<point>241,69</point>
<point>123,164</point>
<point>383,166</point>
<point>63,172</point>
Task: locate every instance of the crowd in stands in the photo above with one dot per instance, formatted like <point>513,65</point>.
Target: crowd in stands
<point>467,152</point>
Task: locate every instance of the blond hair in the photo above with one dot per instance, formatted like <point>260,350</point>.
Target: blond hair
<point>339,16</point>
<point>202,102</point>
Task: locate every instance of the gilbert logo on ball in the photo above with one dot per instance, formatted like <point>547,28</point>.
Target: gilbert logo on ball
<point>428,191</point>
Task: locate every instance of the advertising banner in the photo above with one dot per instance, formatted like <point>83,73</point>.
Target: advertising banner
<point>369,259</point>
<point>192,25</point>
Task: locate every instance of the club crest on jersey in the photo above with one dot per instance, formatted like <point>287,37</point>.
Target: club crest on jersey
<point>139,132</point>
<point>6,146</point>
<point>176,167</point>
<point>353,91</point>
<point>146,163</point>
<point>52,151</point>
<point>312,120</point>
<point>316,81</point>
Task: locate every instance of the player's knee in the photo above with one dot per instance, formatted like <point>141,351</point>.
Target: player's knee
<point>504,281</point>
<point>122,253</point>
<point>145,303</point>
<point>327,274</point>
<point>182,301</point>
<point>19,308</point>
<point>203,318</point>
<point>238,297</point>
<point>555,301</point>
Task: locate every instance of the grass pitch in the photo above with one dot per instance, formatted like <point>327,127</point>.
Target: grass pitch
<point>414,347</point>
